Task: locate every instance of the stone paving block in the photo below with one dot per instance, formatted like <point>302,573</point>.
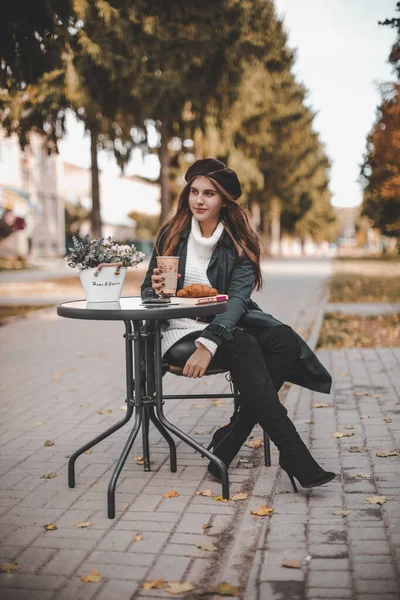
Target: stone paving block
<point>328,550</point>
<point>378,586</point>
<point>114,571</point>
<point>329,594</point>
<point>121,558</point>
<point>272,571</point>
<point>118,590</point>
<point>363,547</point>
<point>329,564</point>
<point>329,579</point>
<point>32,559</point>
<point>374,571</point>
<point>31,582</point>
<point>12,594</point>
<point>170,568</point>
<point>281,590</point>
<point>64,562</point>
<point>68,543</point>
<point>77,590</point>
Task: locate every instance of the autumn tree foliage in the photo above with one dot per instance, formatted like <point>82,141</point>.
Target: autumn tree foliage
<point>381,168</point>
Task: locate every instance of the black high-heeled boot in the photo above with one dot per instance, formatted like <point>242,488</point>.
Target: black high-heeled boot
<point>298,463</point>
<point>294,457</point>
<point>227,442</point>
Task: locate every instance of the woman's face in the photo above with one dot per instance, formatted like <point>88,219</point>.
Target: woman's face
<point>205,201</point>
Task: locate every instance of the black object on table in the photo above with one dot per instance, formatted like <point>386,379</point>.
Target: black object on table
<point>144,372</point>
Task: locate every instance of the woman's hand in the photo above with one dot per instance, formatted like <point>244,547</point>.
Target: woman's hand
<point>157,282</point>
<point>197,364</point>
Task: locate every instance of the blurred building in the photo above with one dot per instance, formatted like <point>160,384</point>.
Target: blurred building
<point>119,195</point>
<point>29,193</point>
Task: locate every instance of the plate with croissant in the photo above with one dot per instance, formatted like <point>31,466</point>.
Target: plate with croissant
<point>199,293</point>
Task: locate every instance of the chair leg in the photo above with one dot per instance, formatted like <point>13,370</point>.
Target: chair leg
<point>267,450</point>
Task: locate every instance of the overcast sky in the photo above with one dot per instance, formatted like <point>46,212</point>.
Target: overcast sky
<point>341,57</point>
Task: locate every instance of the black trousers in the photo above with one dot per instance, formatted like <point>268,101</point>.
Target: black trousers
<point>259,360</point>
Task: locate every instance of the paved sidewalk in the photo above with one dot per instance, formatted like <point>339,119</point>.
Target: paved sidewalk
<point>58,374</point>
<point>364,308</point>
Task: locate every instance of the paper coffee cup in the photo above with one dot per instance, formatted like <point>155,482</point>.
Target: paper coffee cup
<point>169,267</point>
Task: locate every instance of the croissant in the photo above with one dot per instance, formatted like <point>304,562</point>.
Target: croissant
<point>197,290</point>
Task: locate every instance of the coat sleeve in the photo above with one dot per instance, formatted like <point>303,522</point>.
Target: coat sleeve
<point>239,289</point>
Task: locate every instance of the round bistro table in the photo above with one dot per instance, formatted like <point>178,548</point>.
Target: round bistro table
<point>144,372</point>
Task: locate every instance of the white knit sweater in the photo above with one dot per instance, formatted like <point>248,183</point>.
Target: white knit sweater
<point>199,251</point>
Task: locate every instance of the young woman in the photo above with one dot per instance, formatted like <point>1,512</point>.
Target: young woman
<point>217,246</point>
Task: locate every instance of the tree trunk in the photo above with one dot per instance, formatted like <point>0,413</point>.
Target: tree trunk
<point>95,214</point>
<point>198,144</point>
<point>164,177</point>
<point>275,226</point>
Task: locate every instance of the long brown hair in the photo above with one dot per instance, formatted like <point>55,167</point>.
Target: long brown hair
<point>236,224</point>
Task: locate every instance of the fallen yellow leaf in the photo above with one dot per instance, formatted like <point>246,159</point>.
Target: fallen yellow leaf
<point>38,424</point>
<point>338,434</point>
<point>387,419</point>
<point>48,443</point>
<point>226,589</point>
<point>153,584</point>
<point>386,453</point>
<point>207,546</point>
<point>83,524</point>
<point>50,527</point>
<point>9,567</point>
<point>104,411</point>
<point>48,475</point>
<point>376,499</point>
<point>93,577</point>
<point>255,443</point>
<point>356,449</point>
<point>88,451</point>
<point>262,511</point>
<point>137,538</point>
<point>220,499</point>
<point>171,494</point>
<point>364,417</point>
<point>217,403</point>
<point>292,564</point>
<point>56,376</point>
<point>123,407</point>
<point>320,405</point>
<point>239,496</point>
<point>349,427</point>
<point>175,587</point>
<point>364,475</point>
<point>204,493</point>
<point>341,513</point>
<point>206,526</point>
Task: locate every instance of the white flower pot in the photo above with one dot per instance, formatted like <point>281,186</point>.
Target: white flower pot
<point>104,287</point>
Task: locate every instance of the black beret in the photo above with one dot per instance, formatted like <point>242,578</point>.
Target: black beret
<point>216,169</point>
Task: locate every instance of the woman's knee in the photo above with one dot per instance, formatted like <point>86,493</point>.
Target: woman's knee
<point>240,343</point>
<point>281,339</point>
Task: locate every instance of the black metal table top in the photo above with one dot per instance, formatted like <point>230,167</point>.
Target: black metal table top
<point>132,309</point>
